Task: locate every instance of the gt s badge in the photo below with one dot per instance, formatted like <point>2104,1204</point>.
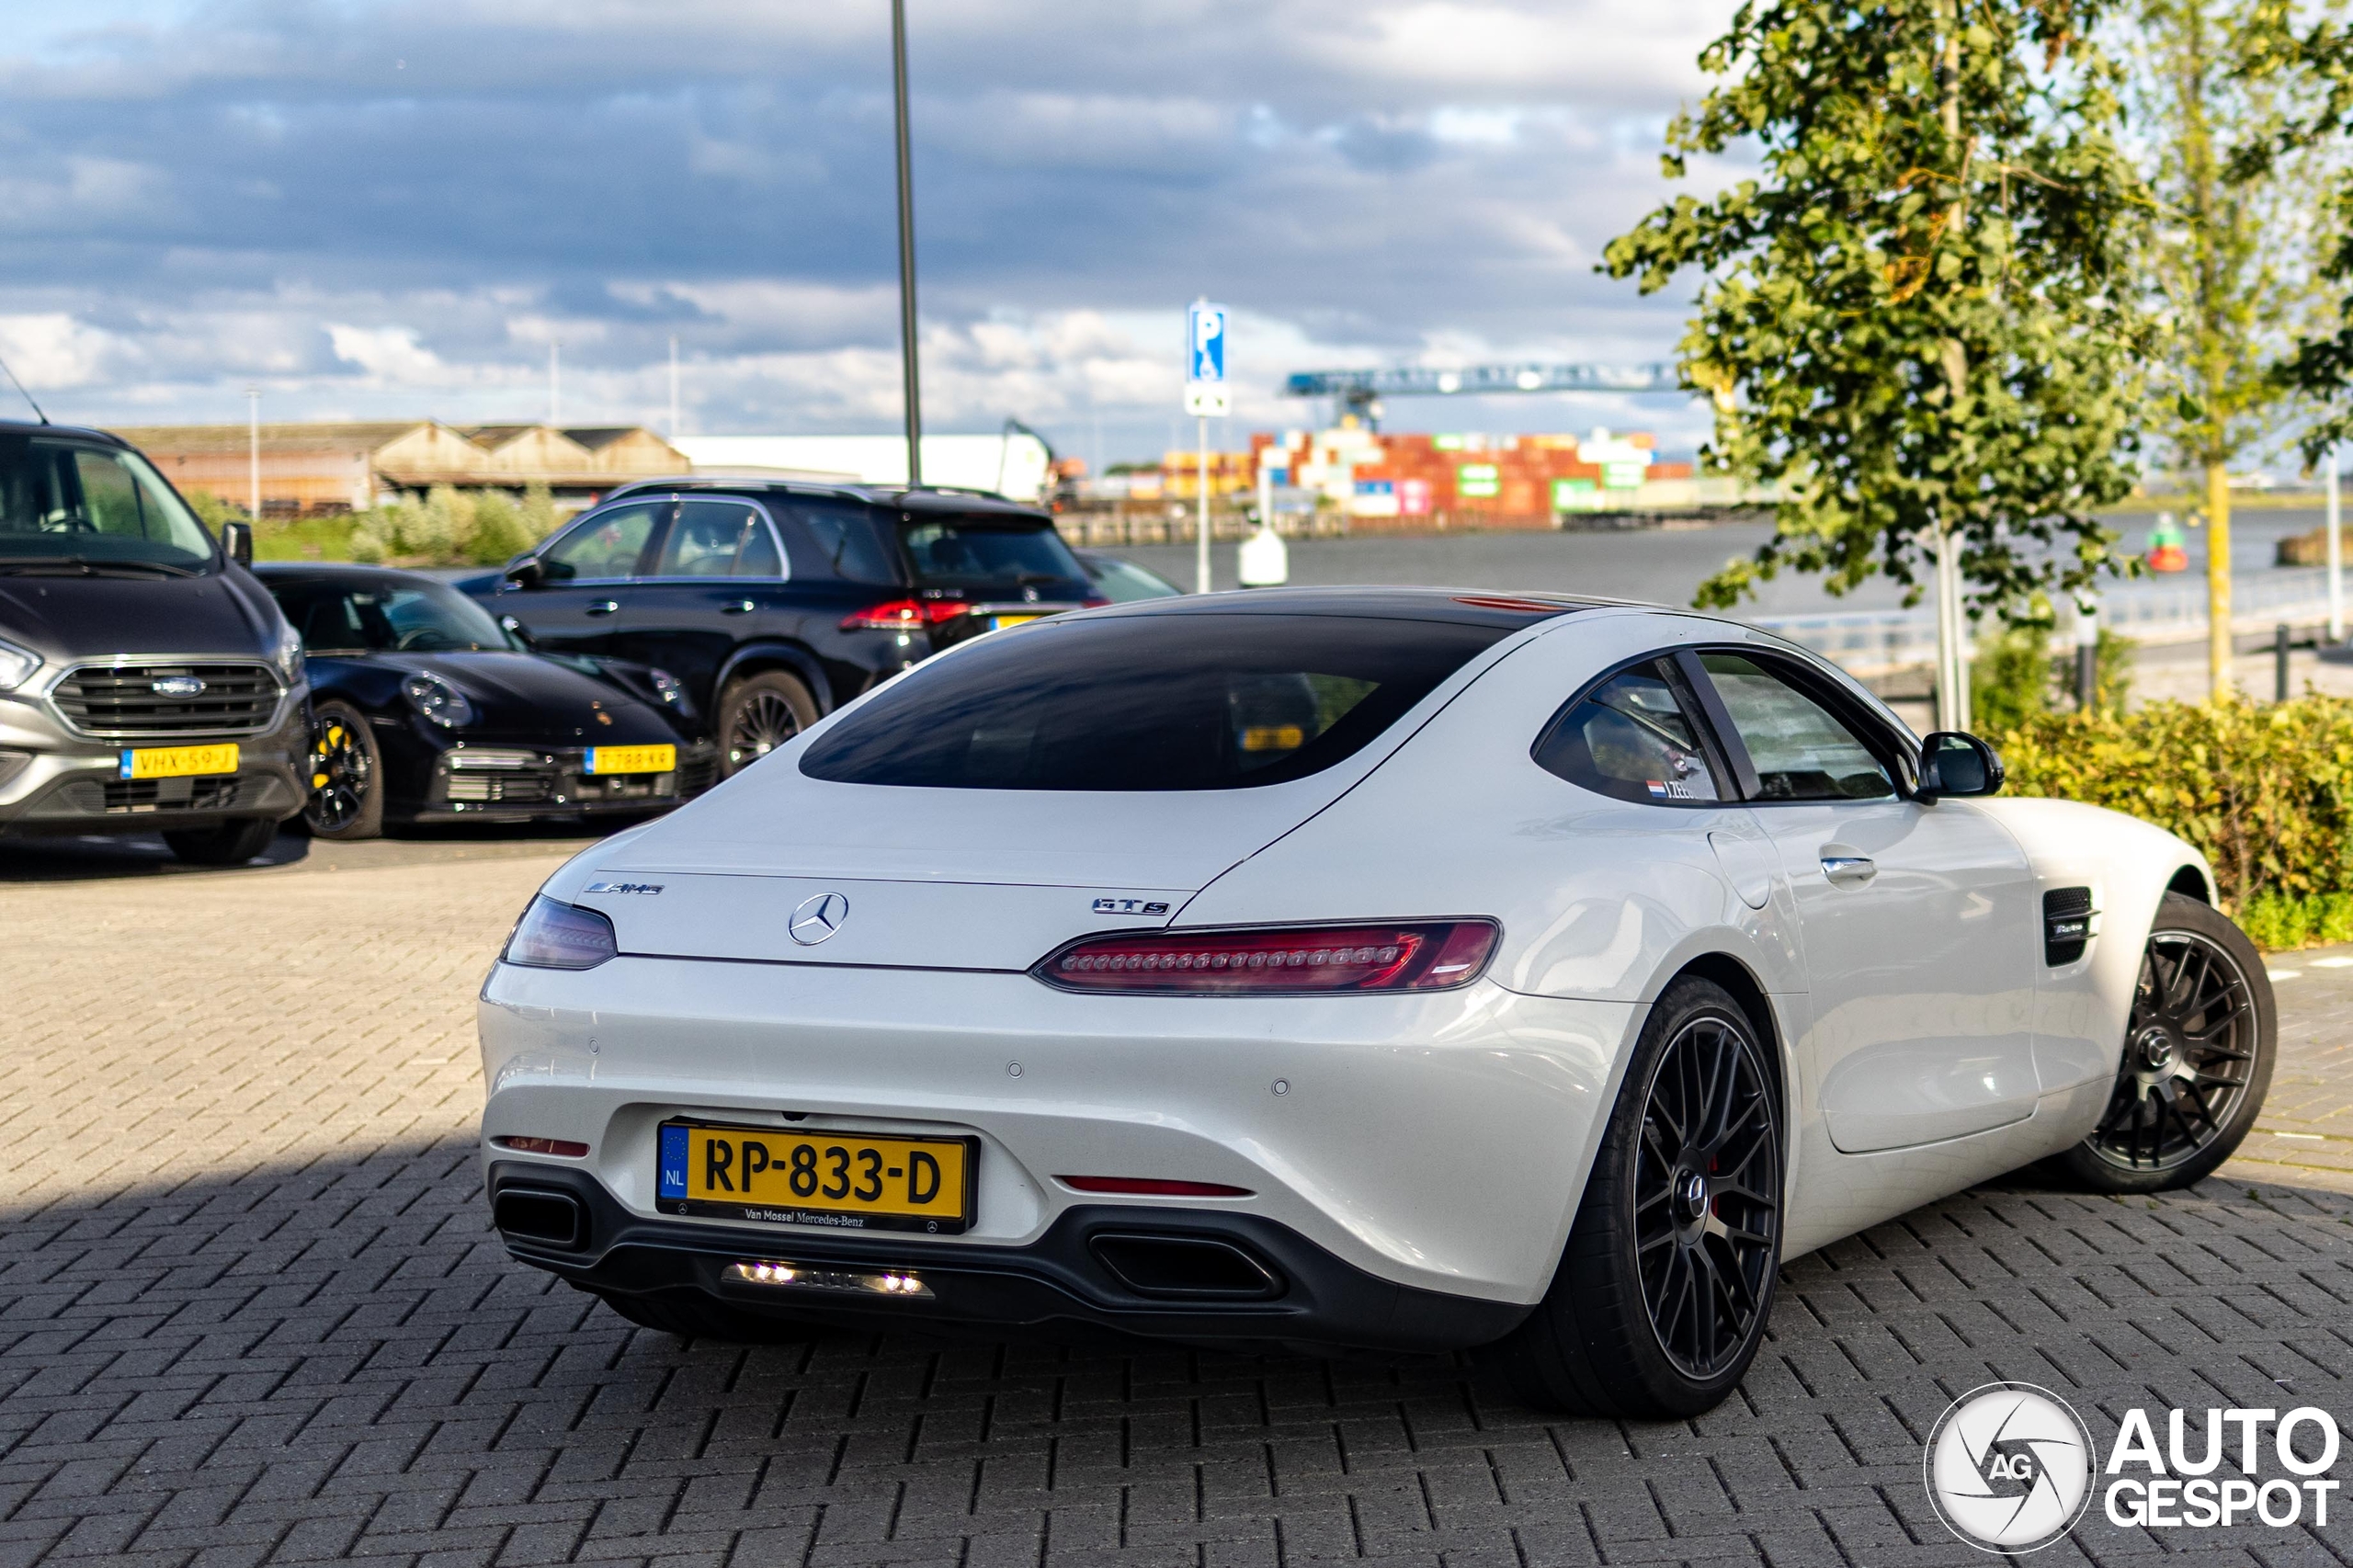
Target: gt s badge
<point>1130,906</point>
<point>622,886</point>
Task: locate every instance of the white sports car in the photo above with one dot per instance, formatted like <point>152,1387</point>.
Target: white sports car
<point>1363,968</point>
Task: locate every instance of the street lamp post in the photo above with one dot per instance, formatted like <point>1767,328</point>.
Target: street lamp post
<point>252,453</point>
<point>913,393</point>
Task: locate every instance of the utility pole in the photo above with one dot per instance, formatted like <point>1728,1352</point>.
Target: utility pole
<point>252,453</point>
<point>914,391</point>
<point>674,386</point>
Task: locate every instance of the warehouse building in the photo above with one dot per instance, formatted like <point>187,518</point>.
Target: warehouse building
<point>311,469</point>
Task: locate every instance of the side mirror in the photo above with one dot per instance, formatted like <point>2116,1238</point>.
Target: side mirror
<point>1956,764</point>
<point>518,630</point>
<point>526,573</point>
<point>237,538</point>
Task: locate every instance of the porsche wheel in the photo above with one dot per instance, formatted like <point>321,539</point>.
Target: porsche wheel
<point>1664,1289</point>
<point>2198,1057</point>
<point>759,714</point>
<point>347,776</point>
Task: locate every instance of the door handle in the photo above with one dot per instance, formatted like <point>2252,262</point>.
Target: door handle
<point>605,606</point>
<point>737,607</point>
<point>1848,871</point>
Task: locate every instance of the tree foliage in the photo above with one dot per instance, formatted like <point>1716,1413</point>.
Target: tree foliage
<point>1918,315</point>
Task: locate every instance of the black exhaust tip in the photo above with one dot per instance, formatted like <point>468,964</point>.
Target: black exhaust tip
<point>551,1219</point>
<point>1198,1267</point>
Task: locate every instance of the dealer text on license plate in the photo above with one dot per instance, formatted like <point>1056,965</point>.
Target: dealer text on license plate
<point>632,759</point>
<point>839,1180</point>
<point>179,762</point>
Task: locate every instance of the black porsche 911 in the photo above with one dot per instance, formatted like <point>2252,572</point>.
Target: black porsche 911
<point>426,709</point>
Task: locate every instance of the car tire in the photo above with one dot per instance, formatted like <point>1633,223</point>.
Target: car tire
<point>1664,1289</point>
<point>2199,1049</point>
<point>758,714</point>
<point>231,844</point>
<point>347,799</point>
<point>690,1316</point>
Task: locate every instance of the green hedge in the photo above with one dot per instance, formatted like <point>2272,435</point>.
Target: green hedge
<point>2265,793</point>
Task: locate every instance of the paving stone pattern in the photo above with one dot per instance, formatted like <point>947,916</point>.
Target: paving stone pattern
<point>250,1313</point>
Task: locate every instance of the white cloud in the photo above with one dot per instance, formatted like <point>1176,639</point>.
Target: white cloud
<point>388,354</point>
<point>52,349</point>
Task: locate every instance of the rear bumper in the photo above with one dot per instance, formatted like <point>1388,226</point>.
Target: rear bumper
<point>1069,1274</point>
<point>1437,1142</point>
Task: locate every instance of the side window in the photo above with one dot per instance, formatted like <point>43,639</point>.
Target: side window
<point>713,538</point>
<point>608,544</point>
<point>1633,737</point>
<point>846,543</point>
<point>1802,751</point>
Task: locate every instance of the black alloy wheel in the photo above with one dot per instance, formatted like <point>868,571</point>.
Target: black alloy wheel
<point>760,714</point>
<point>1664,1290</point>
<point>1707,1196</point>
<point>347,792</point>
<point>2197,1060</point>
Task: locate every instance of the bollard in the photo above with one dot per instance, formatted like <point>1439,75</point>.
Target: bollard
<point>2280,662</point>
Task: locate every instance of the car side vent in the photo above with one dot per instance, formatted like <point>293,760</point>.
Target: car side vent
<point>2066,925</point>
<point>1184,1266</point>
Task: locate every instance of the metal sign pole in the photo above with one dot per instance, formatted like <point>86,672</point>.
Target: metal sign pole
<point>2335,554</point>
<point>1201,542</point>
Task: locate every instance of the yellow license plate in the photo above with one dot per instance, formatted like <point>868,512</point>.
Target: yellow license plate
<point>632,759</point>
<point>179,762</point>
<point>845,1181</point>
<point>998,622</point>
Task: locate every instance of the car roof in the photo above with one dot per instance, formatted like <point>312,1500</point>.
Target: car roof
<point>928,498</point>
<point>333,570</point>
<point>76,432</point>
<point>1468,607</point>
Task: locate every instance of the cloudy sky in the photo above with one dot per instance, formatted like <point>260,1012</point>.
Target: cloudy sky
<point>391,208</point>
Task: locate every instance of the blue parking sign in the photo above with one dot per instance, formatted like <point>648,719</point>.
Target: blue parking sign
<point>1205,342</point>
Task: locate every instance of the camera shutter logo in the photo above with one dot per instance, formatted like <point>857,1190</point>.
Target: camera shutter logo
<point>2009,1467</point>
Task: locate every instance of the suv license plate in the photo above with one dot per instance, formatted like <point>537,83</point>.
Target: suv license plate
<point>179,762</point>
<point>842,1181</point>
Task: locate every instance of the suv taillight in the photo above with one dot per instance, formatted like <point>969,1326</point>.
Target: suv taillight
<point>1422,955</point>
<point>903,615</point>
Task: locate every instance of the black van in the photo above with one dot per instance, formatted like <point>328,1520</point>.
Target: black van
<point>777,602</point>
<point>147,682</point>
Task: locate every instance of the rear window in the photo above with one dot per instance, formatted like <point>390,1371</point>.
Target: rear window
<point>984,552</point>
<point>1148,703</point>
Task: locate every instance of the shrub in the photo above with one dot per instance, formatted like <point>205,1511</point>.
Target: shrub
<point>368,546</point>
<point>212,510</point>
<point>2265,793</point>
<point>435,531</point>
<point>538,515</point>
<point>498,531</point>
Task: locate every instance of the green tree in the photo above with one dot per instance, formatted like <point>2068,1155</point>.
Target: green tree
<point>2233,261</point>
<point>1917,322</point>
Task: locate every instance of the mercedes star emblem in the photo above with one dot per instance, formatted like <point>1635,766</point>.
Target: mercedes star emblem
<point>818,918</point>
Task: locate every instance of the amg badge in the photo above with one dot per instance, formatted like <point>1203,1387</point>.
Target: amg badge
<point>622,886</point>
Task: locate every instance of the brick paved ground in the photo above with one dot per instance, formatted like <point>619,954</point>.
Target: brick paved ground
<point>249,1313</point>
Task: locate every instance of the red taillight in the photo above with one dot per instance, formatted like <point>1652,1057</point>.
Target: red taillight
<point>1095,603</point>
<point>1152,1186</point>
<point>903,615</point>
<point>1423,955</point>
<point>562,1146</point>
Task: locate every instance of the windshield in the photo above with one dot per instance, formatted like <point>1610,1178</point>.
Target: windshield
<point>386,618</point>
<point>65,506</point>
<point>987,553</point>
<point>1148,702</point>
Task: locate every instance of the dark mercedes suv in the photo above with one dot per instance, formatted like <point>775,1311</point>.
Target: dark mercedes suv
<point>147,681</point>
<point>777,602</point>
